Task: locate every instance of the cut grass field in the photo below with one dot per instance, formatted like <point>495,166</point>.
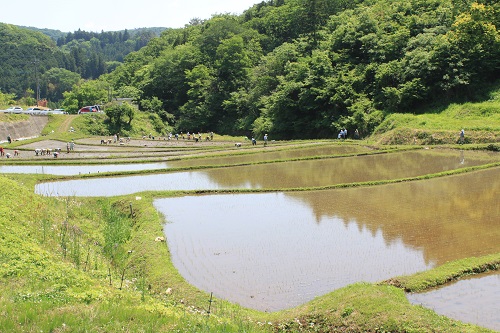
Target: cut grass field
<point>94,265</point>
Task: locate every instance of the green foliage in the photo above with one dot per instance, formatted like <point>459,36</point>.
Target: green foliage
<point>56,81</point>
<point>117,113</point>
<point>6,100</point>
<point>295,68</point>
<point>307,68</point>
<point>85,93</point>
<point>29,54</point>
<point>116,230</point>
<point>24,56</point>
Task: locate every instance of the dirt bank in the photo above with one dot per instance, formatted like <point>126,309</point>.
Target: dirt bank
<point>17,130</point>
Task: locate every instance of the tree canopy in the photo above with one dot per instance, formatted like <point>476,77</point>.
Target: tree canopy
<point>306,68</point>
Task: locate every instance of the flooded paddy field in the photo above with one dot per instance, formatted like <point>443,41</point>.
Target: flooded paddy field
<point>305,173</point>
<point>71,170</point>
<point>473,300</point>
<point>261,155</point>
<point>172,160</point>
<point>182,153</point>
<point>96,152</point>
<point>274,251</point>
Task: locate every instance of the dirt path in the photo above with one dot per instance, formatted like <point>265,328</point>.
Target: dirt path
<point>65,125</point>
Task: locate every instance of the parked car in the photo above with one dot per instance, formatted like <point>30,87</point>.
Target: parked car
<point>34,110</point>
<point>86,109</point>
<point>15,109</point>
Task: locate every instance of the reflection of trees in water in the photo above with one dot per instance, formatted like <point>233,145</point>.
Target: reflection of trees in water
<point>448,218</point>
<point>343,170</point>
<point>270,155</point>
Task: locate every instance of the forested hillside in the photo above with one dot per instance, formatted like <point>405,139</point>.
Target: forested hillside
<point>59,60</point>
<point>305,69</point>
<point>299,68</point>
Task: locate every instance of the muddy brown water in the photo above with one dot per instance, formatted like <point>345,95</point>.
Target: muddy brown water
<point>308,173</point>
<point>277,250</point>
<point>475,300</point>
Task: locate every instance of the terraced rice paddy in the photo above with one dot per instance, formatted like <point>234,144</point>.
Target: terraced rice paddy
<point>294,174</point>
<point>277,250</point>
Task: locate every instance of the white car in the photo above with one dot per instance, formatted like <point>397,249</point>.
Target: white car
<point>34,110</point>
<point>15,109</point>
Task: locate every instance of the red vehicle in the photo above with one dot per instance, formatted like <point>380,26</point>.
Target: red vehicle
<point>93,108</point>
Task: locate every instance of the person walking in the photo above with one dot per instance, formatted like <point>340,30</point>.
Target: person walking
<point>462,137</point>
<point>265,139</point>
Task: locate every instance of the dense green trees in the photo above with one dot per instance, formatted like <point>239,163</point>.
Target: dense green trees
<point>84,94</point>
<point>306,68</point>
<point>24,55</point>
<point>301,68</point>
<point>56,81</point>
<point>27,55</point>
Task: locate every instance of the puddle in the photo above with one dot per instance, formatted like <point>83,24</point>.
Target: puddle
<point>275,251</point>
<point>71,170</point>
<point>475,300</point>
<point>308,173</point>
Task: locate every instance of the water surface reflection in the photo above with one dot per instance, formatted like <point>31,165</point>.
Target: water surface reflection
<point>307,173</point>
<point>274,251</point>
<point>264,251</point>
<point>475,300</point>
<point>272,155</point>
<point>70,170</point>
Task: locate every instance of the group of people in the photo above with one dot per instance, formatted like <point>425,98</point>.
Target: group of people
<point>343,134</point>
<point>8,155</point>
<point>70,146</point>
<point>196,137</point>
<point>188,136</point>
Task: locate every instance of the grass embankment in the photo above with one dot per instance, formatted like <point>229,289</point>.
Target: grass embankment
<point>62,263</point>
<point>481,122</point>
<point>10,118</point>
<point>96,265</point>
<point>446,273</point>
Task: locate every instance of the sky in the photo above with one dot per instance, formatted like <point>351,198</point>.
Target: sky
<point>107,15</point>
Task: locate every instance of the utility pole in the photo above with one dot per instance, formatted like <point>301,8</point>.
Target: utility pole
<point>37,81</point>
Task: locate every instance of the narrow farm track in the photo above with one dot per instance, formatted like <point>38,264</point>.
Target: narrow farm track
<point>65,125</point>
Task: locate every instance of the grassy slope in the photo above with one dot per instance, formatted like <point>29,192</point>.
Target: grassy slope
<point>481,122</point>
<point>43,290</point>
